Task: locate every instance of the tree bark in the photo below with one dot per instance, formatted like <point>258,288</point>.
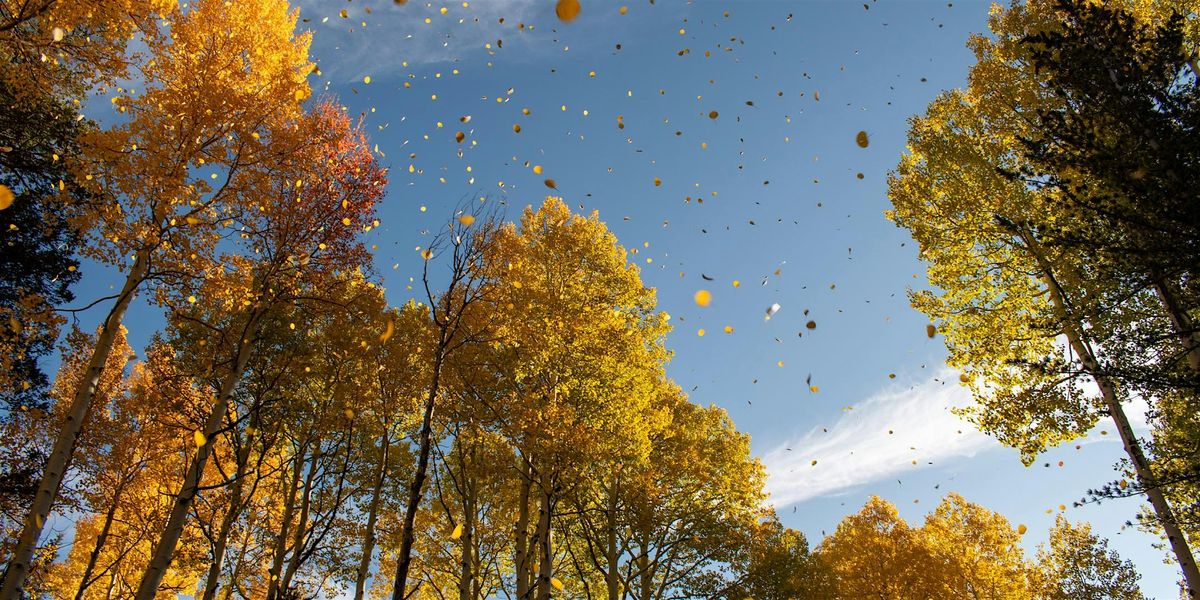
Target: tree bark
<point>285,526</point>
<point>1133,447</point>
<point>101,538</point>
<point>612,578</point>
<point>301,530</point>
<point>64,446</point>
<point>521,562</point>
<point>545,541</point>
<point>1181,321</point>
<point>212,580</point>
<point>466,573</point>
<point>165,549</point>
<point>368,545</point>
<point>417,489</point>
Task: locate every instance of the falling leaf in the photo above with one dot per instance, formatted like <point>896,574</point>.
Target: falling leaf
<point>457,533</point>
<point>1021,529</point>
<point>427,253</point>
<point>516,128</point>
<point>459,137</point>
<point>700,333</point>
<point>862,139</point>
<point>930,330</point>
<point>537,169</point>
<point>6,197</point>
<point>712,114</point>
<point>551,184</point>
<point>772,309</point>
<point>59,33</point>
<point>466,220</point>
<point>198,437</point>
<point>811,325</point>
<point>702,297</point>
<point>387,332</point>
<point>349,414</point>
<point>567,10</point>
<point>367,80</point>
<point>558,585</point>
<point>728,329</point>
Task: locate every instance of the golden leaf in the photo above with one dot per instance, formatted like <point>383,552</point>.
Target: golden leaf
<point>567,10</point>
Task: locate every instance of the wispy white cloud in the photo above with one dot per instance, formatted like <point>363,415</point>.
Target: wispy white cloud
<point>395,34</point>
<point>883,435</point>
<point>879,438</point>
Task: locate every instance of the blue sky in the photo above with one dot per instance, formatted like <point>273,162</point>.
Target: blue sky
<point>767,194</point>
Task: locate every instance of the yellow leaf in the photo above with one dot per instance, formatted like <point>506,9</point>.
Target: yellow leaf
<point>192,221</point>
<point>1021,529</point>
<point>427,254</point>
<point>6,197</point>
<point>198,437</point>
<point>457,533</point>
<point>466,220</point>
<point>558,585</point>
<point>862,139</point>
<point>567,10</point>
<point>387,333</point>
<point>702,298</point>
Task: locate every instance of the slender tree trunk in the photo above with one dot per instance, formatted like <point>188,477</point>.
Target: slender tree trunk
<point>212,580</point>
<point>1133,447</point>
<point>545,541</point>
<point>1141,468</point>
<point>236,572</point>
<point>521,561</point>
<point>612,578</point>
<point>94,555</point>
<point>1181,321</point>
<point>301,530</point>
<point>285,525</point>
<point>644,576</point>
<point>64,446</point>
<point>368,545</point>
<point>466,571</point>
<point>165,549</point>
<point>416,490</point>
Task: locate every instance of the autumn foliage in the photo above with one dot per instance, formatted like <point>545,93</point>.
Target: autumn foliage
<point>512,430</point>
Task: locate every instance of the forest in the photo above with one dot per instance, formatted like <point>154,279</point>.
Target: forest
<point>513,429</point>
